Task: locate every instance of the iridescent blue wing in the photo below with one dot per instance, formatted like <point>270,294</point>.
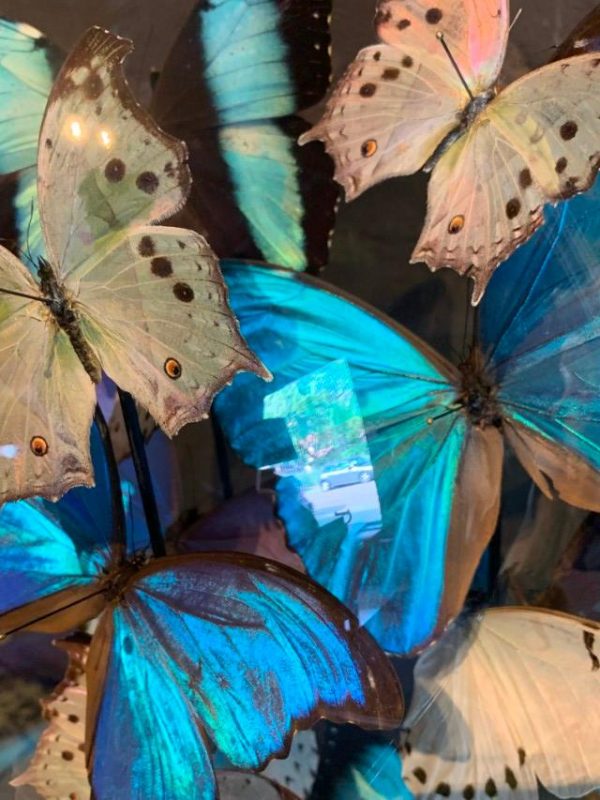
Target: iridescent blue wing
<point>229,647</point>
<point>52,553</point>
<point>386,494</point>
<point>235,78</point>
<point>373,773</point>
<point>28,65</point>
<point>541,332</point>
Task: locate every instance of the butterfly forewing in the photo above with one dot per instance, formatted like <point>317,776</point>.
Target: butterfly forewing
<point>103,163</point>
<point>388,114</point>
<point>475,32</point>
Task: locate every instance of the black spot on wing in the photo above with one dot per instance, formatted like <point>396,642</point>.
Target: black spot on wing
<point>161,267</point>
<point>93,86</point>
<point>183,292</point>
<point>114,171</point>
<point>588,641</point>
<point>147,182</point>
<point>146,246</point>
<point>433,16</point>
<point>367,90</point>
<point>568,130</point>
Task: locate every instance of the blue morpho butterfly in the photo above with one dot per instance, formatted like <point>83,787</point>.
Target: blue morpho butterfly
<point>28,65</point>
<point>231,88</point>
<point>222,647</point>
<point>391,457</point>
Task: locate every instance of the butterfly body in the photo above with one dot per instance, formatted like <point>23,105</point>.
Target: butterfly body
<point>478,392</point>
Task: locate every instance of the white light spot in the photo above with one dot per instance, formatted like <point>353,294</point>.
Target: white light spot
<point>105,138</point>
<point>9,451</point>
<point>75,129</point>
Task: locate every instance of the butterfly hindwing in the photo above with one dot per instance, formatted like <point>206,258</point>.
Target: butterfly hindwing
<point>536,142</point>
<point>46,398</point>
<point>103,164</point>
<point>249,67</point>
<point>154,308</point>
<point>487,717</point>
<point>248,646</point>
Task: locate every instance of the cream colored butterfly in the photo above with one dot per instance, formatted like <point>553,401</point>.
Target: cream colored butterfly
<point>146,305</point>
<point>505,700</point>
<point>496,159</point>
<point>57,770</point>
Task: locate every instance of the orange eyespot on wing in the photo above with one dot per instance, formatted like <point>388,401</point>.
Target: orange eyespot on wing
<point>173,368</point>
<point>38,446</point>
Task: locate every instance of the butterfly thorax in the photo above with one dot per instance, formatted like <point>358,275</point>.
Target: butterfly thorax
<point>478,395</point>
<point>466,118</point>
<point>117,581</point>
<point>62,307</point>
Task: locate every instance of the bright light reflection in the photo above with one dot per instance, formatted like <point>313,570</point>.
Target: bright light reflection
<point>8,451</point>
<point>76,129</point>
<point>105,138</point>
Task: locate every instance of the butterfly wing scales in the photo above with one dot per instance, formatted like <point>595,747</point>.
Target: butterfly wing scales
<point>476,32</point>
<point>482,203</point>
<point>103,163</point>
<point>387,115</point>
<point>487,714</point>
<point>154,308</point>
<point>222,627</point>
<point>46,398</point>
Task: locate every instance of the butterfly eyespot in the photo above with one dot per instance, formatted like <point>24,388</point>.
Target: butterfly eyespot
<point>433,16</point>
<point>184,292</point>
<point>368,148</point>
<point>38,446</point>
<point>367,90</point>
<point>173,368</point>
<point>456,224</point>
<point>93,86</point>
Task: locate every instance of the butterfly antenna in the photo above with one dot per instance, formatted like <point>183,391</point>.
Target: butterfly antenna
<point>442,39</point>
<point>14,293</point>
<point>222,458</point>
<point>514,22</point>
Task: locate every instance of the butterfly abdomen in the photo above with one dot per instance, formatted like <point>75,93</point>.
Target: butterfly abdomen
<point>478,393</point>
<point>61,307</point>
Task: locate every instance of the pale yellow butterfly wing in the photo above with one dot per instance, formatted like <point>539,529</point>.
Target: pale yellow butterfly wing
<point>57,770</point>
<point>154,310</point>
<point>46,398</point>
<point>537,142</point>
<point>475,31</point>
<point>482,202</point>
<point>388,114</point>
<point>499,706</point>
<point>103,163</point>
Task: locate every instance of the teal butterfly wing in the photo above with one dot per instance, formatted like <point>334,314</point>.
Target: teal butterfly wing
<point>231,88</point>
<point>540,330</point>
<point>29,62</point>
<point>252,651</point>
<point>376,461</point>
